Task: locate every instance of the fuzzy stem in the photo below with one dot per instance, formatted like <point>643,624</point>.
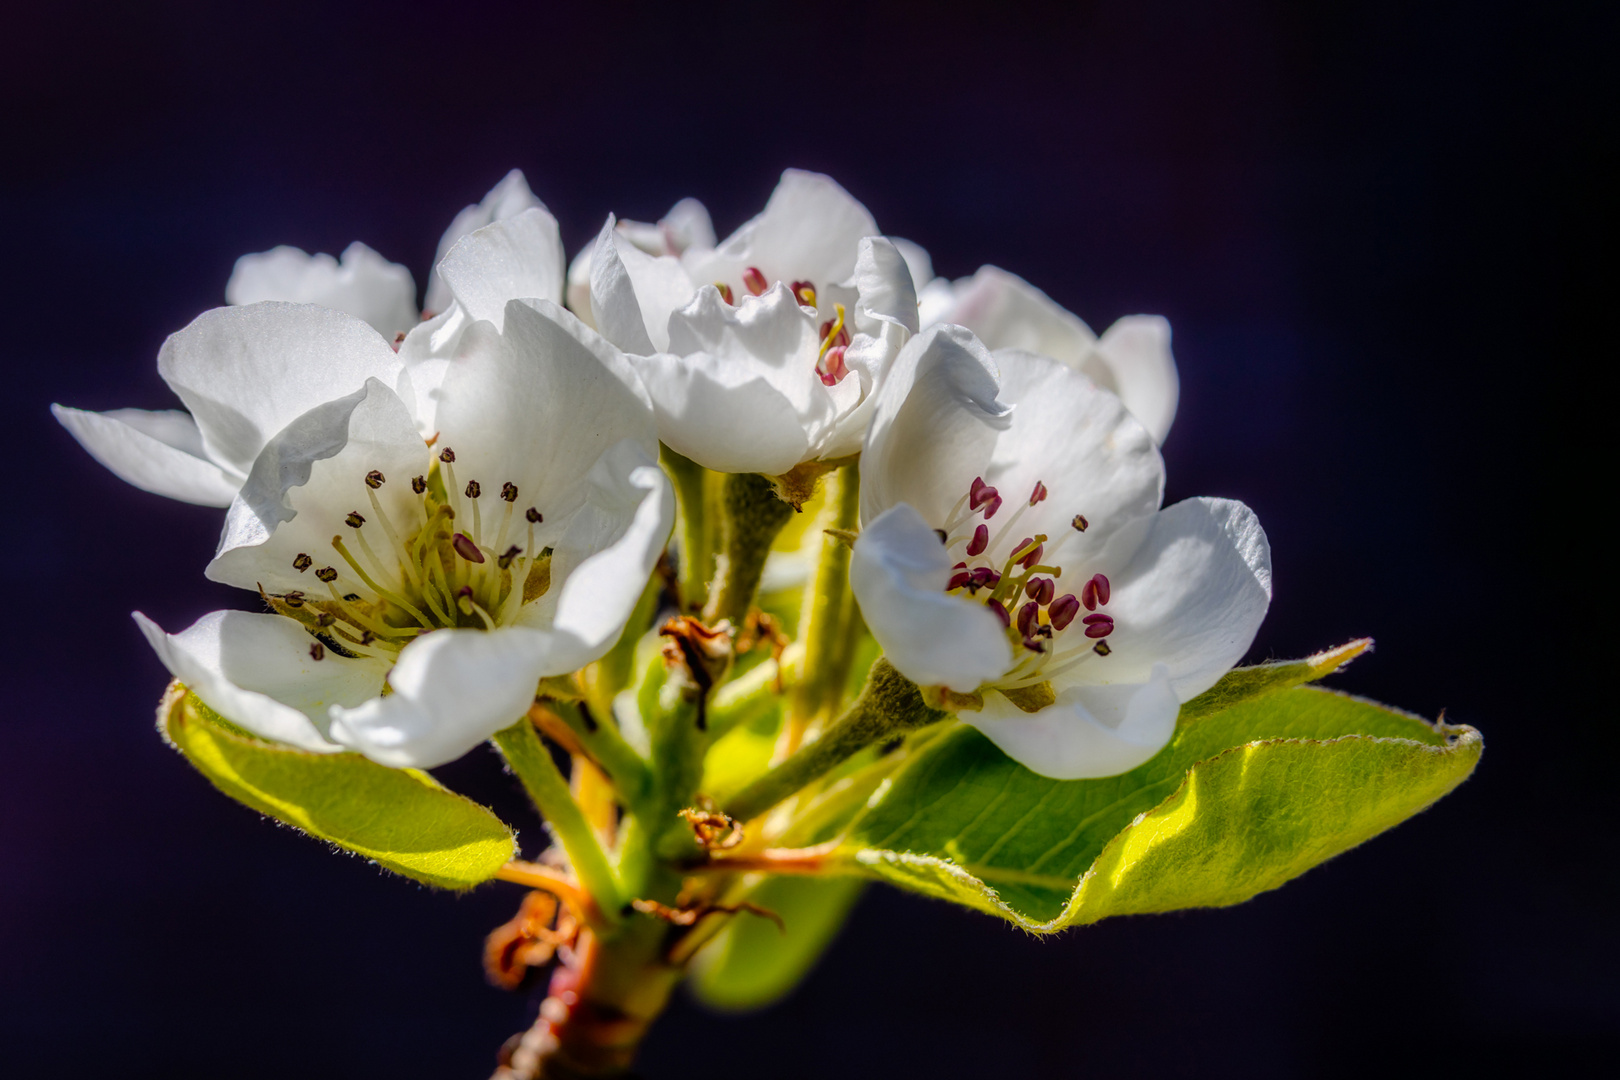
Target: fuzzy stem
<point>824,621</point>
<point>529,759</point>
<point>890,704</point>
<point>754,515</point>
<point>697,527</point>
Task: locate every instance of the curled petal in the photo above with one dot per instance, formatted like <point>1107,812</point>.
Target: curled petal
<point>362,284</point>
<point>898,572</point>
<point>160,452</point>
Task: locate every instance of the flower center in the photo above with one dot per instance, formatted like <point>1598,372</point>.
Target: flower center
<point>1021,586</point>
<point>392,580</point>
<point>830,365</point>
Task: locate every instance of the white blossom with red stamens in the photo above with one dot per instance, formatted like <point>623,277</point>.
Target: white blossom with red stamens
<point>421,592</point>
<point>1013,548</point>
<point>762,352</point>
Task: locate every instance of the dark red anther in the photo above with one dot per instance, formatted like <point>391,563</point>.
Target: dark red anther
<point>354,520</point>
<point>419,484</point>
<point>992,506</point>
<point>1098,626</point>
<point>1018,549</point>
<point>512,552</point>
<point>466,548</point>
<point>985,578</point>
<point>754,281</point>
<point>317,651</point>
<point>840,338</point>
<point>1033,559</point>
<point>374,479</point>
<point>473,489</point>
<point>327,574</point>
<point>1101,648</point>
<point>1080,523</point>
<point>805,293</point>
<point>725,292</point>
<point>509,492</point>
<point>959,580</point>
<point>295,598</point>
<point>1040,589</point>
<point>1039,494</point>
<point>1103,590</point>
<point>1063,610</point>
<point>1088,594</point>
<point>1026,617</point>
<point>981,493</point>
<point>980,541</point>
<point>831,368</point>
<point>447,455</point>
<point>302,562</point>
<point>535,517</point>
<point>1001,613</point>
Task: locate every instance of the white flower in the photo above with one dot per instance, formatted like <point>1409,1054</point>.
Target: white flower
<point>1014,552</point>
<point>763,352</point>
<point>507,199</point>
<point>1006,312</point>
<point>203,457</point>
<point>686,226</point>
<point>422,592</point>
<point>362,283</point>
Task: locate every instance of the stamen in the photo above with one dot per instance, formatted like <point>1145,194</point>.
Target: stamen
<point>509,492</point>
<point>805,293</point>
<point>354,520</point>
<point>466,548</point>
<point>1028,561</point>
<point>725,292</point>
<point>419,484</point>
<point>832,369</point>
<point>387,594</point>
<point>380,567</point>
<point>1063,610</point>
<point>505,561</point>
<point>1080,523</point>
<point>1098,626</point>
<point>374,479</point>
<point>535,517</point>
<point>1101,648</point>
<point>1095,592</point>
<point>327,574</point>
<point>959,580</point>
<point>1039,494</point>
<point>1103,589</point>
<point>1026,617</point>
<point>302,562</point>
<point>317,651</point>
<point>980,541</point>
<point>400,554</point>
<point>359,618</point>
<point>473,490</point>
<point>1040,590</point>
<point>754,281</point>
<point>294,598</point>
<point>447,458</point>
<point>1001,613</point>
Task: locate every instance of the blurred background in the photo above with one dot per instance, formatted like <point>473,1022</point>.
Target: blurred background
<point>1382,232</point>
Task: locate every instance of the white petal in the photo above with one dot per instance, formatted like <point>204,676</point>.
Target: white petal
<point>160,452</point>
<point>578,296</point>
<point>305,483</point>
<point>452,689</point>
<point>1089,732</point>
<point>536,405</point>
<point>686,226</point>
<point>935,417</point>
<point>936,301</point>
<point>257,671</point>
<point>886,291</point>
<point>740,393</point>
<point>246,372</point>
<point>898,572</point>
<point>363,284</point>
<point>1141,369</point>
<point>1094,457</point>
<point>633,293</point>
<point>1192,598</point>
<point>519,257</point>
<point>605,557</point>
<point>506,199</point>
<point>918,263</point>
<point>809,230</point>
<point>1007,312</point>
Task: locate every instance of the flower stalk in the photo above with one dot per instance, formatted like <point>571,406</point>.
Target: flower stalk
<point>824,623</point>
<point>753,515</point>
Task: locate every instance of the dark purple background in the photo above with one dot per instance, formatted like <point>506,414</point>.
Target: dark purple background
<point>1375,229</point>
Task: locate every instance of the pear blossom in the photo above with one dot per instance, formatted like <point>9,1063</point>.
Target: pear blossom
<point>361,283</point>
<point>762,353</point>
<point>203,456</point>
<point>1014,560</point>
<point>1132,358</point>
<point>421,590</point>
<point>687,226</point>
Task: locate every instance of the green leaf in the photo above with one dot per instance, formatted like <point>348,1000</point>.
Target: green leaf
<point>751,963</point>
<point>1262,780</point>
<point>402,819</point>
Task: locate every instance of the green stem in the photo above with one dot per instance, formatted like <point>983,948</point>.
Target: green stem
<point>890,704</point>
<point>823,622</point>
<point>547,787</point>
<point>618,759</point>
<point>697,527</point>
<point>744,700</point>
<point>753,517</point>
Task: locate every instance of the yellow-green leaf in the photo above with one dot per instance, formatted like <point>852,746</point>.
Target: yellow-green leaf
<point>751,963</point>
<point>1262,780</point>
<point>402,819</point>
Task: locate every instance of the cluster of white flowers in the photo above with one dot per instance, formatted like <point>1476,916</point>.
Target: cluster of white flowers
<point>1013,558</point>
